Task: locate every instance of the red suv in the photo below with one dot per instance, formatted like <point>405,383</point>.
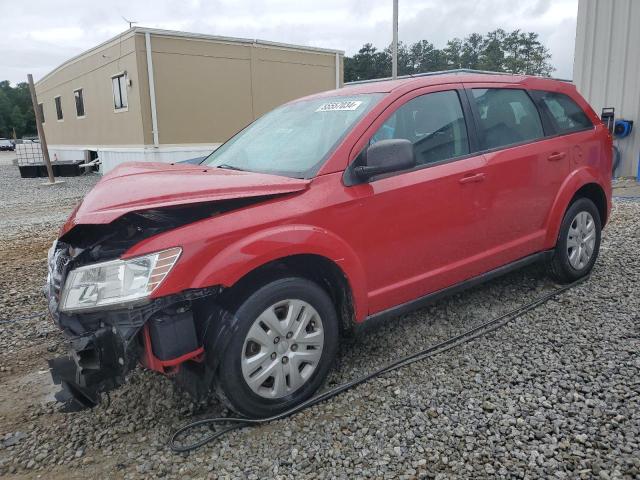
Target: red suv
<point>239,275</point>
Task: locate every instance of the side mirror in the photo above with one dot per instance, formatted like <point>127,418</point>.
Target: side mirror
<point>387,156</point>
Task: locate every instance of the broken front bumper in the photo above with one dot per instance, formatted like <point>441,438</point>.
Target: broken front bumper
<point>105,345</point>
<point>96,363</point>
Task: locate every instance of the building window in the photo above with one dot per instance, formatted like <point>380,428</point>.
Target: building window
<point>58,101</point>
<point>41,111</point>
<point>119,83</point>
<point>77,94</point>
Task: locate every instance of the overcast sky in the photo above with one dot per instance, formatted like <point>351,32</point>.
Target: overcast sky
<point>38,35</point>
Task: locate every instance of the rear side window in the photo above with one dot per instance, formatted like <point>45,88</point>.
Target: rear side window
<point>434,123</point>
<point>566,115</point>
<point>507,116</point>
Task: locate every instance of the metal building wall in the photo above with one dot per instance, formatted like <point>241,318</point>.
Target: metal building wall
<point>606,67</point>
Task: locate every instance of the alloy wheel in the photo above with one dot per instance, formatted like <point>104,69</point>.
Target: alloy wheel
<point>581,240</point>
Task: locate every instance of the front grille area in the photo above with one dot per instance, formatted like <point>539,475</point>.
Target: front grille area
<point>59,266</point>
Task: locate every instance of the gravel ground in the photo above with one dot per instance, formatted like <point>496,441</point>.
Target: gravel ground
<point>555,394</point>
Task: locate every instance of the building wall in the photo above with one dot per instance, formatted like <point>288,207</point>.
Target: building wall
<point>207,90</point>
<point>607,66</point>
<point>203,89</point>
<point>92,72</point>
<point>281,75</point>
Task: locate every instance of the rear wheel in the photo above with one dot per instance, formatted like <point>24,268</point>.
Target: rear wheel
<point>578,242</point>
<point>282,349</point>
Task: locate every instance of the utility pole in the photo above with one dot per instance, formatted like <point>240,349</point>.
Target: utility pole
<point>43,140</point>
<point>394,43</point>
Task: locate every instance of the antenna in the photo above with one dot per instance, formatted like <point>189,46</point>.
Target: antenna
<point>130,22</point>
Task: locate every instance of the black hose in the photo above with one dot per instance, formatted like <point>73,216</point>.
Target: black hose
<point>616,160</point>
<point>446,345</point>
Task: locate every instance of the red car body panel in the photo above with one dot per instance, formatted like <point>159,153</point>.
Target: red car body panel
<point>396,238</point>
<point>138,186</point>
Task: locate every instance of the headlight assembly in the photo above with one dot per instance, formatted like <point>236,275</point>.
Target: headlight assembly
<point>116,282</point>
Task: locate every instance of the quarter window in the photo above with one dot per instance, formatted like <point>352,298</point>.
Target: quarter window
<point>566,115</point>
<point>434,123</point>
<point>58,101</point>
<point>79,102</point>
<point>119,83</point>
<point>507,116</point>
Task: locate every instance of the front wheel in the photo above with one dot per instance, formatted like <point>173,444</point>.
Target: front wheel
<point>578,242</point>
<point>282,349</point>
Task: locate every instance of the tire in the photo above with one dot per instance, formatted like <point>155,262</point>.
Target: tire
<point>568,264</point>
<point>257,371</point>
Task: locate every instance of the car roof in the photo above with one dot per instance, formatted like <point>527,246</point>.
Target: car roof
<point>408,83</point>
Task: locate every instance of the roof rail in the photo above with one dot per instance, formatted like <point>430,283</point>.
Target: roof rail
<point>455,71</point>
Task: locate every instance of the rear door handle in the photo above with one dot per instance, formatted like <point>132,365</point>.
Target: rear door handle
<point>477,177</point>
<point>554,157</point>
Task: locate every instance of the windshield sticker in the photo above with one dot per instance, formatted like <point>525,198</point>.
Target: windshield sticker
<point>339,106</point>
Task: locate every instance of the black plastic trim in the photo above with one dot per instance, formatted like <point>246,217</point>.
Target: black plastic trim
<point>547,123</point>
<point>457,288</point>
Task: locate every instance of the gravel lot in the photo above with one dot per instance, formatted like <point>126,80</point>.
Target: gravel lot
<point>556,394</point>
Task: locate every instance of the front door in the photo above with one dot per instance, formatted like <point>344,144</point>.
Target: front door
<point>421,230</point>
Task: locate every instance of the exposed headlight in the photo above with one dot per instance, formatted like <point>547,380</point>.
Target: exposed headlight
<point>116,282</point>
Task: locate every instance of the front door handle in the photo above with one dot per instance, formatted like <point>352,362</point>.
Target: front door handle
<point>477,177</point>
<point>555,156</point>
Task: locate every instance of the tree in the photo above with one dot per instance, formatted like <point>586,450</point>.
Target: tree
<point>17,121</point>
<point>16,111</point>
<point>499,51</point>
<point>366,64</point>
<point>405,60</point>
<point>492,55</point>
<point>472,51</point>
<point>426,58</point>
<point>453,54</point>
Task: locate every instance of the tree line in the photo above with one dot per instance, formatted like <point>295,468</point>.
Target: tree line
<point>16,111</point>
<point>515,52</point>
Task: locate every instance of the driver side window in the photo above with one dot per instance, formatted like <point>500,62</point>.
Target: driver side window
<point>434,123</point>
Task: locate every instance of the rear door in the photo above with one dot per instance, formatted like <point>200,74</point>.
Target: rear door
<point>525,169</point>
<point>568,120</point>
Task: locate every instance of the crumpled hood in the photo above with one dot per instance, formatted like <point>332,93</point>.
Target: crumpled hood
<point>143,186</point>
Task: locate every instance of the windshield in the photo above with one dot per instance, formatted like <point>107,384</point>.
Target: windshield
<point>295,139</point>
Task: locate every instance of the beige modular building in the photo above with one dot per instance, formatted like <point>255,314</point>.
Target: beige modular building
<point>158,95</point>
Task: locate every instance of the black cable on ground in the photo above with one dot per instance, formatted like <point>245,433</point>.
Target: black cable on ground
<point>21,319</point>
<point>234,423</point>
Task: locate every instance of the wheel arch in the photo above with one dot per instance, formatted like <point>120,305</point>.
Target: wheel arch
<point>583,183</point>
<point>304,250</point>
<point>595,193</point>
<point>316,268</point>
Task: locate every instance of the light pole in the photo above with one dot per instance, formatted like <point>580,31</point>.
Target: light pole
<point>394,43</point>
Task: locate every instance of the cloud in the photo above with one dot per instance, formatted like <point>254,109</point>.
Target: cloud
<point>42,34</point>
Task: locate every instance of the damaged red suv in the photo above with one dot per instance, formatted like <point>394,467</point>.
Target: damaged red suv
<point>239,275</point>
